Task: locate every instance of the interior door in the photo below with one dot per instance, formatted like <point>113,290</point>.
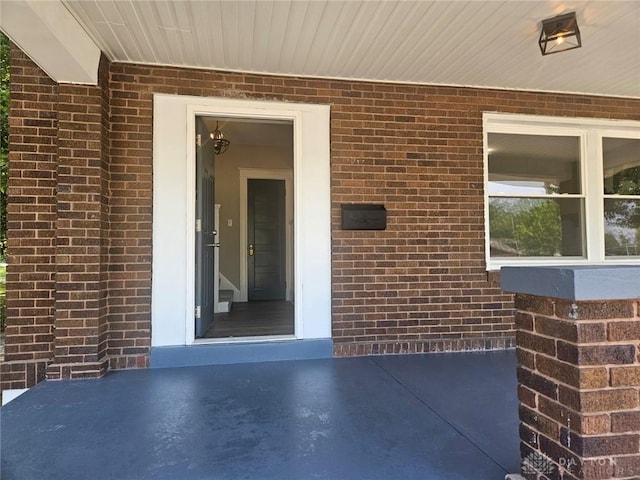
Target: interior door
<point>206,235</point>
<point>267,241</point>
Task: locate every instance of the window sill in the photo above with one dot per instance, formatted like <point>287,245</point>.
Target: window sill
<point>496,265</point>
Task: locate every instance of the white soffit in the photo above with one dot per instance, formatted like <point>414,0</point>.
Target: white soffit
<point>470,43</point>
<point>48,33</point>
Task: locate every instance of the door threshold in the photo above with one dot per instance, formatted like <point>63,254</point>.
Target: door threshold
<point>219,353</point>
<point>236,340</point>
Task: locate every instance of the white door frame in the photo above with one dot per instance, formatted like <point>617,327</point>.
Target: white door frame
<point>273,174</point>
<point>172,307</point>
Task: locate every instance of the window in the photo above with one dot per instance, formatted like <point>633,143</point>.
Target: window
<point>621,168</point>
<point>561,191</point>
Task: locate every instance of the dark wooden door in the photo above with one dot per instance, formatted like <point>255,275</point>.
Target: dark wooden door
<point>267,243</point>
<point>205,229</point>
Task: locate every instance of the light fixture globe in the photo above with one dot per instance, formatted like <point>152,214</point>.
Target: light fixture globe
<point>220,144</point>
<point>559,34</point>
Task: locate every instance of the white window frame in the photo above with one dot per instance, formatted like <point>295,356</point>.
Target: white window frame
<point>591,132</point>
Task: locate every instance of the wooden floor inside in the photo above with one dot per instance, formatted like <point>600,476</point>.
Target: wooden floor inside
<point>253,319</point>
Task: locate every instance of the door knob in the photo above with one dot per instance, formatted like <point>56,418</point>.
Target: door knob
<point>251,251</point>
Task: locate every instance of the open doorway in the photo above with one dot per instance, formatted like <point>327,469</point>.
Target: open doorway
<point>173,285</point>
<point>244,229</point>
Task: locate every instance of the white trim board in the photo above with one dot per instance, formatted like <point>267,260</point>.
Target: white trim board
<point>172,307</point>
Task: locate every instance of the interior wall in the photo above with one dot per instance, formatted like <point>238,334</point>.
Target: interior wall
<point>228,195</point>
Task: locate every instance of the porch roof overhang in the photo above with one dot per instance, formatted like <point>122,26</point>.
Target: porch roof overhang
<point>478,44</point>
<point>53,38</point>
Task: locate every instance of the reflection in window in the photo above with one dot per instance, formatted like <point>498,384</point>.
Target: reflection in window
<point>528,227</point>
<point>621,165</point>
<point>536,206</point>
<point>533,164</point>
<point>621,227</point>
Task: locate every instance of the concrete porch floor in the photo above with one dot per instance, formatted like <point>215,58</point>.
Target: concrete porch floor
<point>428,417</point>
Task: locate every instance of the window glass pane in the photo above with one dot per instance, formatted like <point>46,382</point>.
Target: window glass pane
<point>533,164</point>
<point>621,162</point>
<point>621,227</point>
<point>528,227</point>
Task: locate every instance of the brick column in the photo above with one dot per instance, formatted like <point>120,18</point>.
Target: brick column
<point>80,320</point>
<point>31,216</point>
<point>59,226</point>
<point>578,348</point>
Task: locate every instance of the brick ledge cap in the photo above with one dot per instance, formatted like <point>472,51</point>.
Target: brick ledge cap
<point>580,283</point>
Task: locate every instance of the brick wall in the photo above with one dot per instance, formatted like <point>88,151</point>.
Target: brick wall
<point>57,315</point>
<point>105,212</point>
<point>79,234</point>
<point>31,217</point>
<point>579,376</point>
<point>131,211</point>
<point>420,285</point>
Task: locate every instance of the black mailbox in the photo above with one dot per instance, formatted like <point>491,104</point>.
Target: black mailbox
<point>364,217</point>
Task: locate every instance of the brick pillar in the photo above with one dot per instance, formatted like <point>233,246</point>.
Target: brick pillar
<point>80,320</point>
<point>578,374</point>
<point>31,216</point>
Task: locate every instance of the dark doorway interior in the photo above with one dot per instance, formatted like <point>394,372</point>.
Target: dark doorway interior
<point>244,256</point>
<point>253,319</point>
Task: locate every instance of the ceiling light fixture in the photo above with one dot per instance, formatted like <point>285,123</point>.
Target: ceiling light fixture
<point>220,144</point>
<point>559,34</point>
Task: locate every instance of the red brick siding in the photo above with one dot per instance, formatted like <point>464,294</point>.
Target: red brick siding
<point>31,215</point>
<point>131,209</point>
<point>421,285</point>
<point>79,228</point>
<point>58,209</point>
<point>579,386</point>
<point>105,211</point>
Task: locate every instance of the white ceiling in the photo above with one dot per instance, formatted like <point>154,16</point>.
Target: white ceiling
<point>241,131</point>
<point>471,43</point>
